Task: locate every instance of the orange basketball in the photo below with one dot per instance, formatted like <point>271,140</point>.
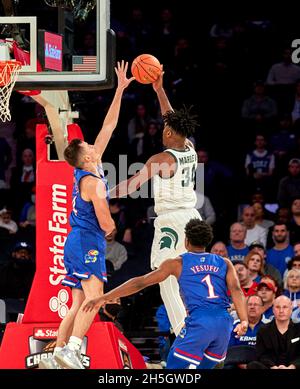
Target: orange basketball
<point>146,68</point>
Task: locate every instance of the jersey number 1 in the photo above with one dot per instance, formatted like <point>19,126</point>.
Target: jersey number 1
<point>211,291</point>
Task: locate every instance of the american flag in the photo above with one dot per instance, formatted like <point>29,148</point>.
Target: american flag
<point>84,63</point>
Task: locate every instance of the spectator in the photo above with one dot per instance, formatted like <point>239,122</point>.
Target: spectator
<point>254,232</point>
<point>294,224</point>
<point>279,255</point>
<point>237,248</point>
<point>16,278</point>
<point>247,284</point>
<point>116,253</point>
<point>255,263</point>
<point>267,290</point>
<point>260,220</point>
<point>289,186</point>
<point>205,208</point>
<point>285,72</point>
<point>118,213</point>
<point>138,123</point>
<point>5,160</point>
<point>269,270</point>
<point>6,221</point>
<point>111,311</point>
<point>275,346</point>
<point>259,107</point>
<point>28,217</point>
<point>297,249</point>
<point>294,263</point>
<point>291,286</point>
<point>260,165</point>
<point>219,248</point>
<point>242,350</point>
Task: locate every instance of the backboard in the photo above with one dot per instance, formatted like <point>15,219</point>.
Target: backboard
<point>62,44</point>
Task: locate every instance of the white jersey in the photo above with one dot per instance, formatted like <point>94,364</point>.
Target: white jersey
<point>177,192</point>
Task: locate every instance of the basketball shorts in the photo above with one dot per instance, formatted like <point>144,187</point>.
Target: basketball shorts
<point>205,334</point>
<point>84,255</point>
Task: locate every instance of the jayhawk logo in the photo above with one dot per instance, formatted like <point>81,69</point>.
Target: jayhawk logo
<point>169,238</point>
<point>91,256</point>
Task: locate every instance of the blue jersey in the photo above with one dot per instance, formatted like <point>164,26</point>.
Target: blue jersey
<point>203,281</point>
<point>249,339</point>
<point>83,214</point>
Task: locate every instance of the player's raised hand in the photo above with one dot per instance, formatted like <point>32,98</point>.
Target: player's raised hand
<point>93,304</point>
<point>158,84</point>
<point>241,328</point>
<point>121,70</point>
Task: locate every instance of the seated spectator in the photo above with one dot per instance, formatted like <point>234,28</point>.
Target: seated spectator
<point>110,312</point>
<point>6,221</point>
<point>5,160</point>
<point>267,290</point>
<point>116,253</point>
<point>269,270</point>
<point>275,347</point>
<point>259,107</point>
<point>16,278</point>
<point>260,216</point>
<point>28,217</point>
<point>237,250</point>
<point>118,213</point>
<point>219,248</point>
<point>291,286</point>
<point>205,208</point>
<point>294,222</point>
<point>285,72</point>
<point>260,165</point>
<point>247,284</point>
<point>254,232</point>
<point>297,249</point>
<point>279,255</point>
<point>289,186</point>
<point>255,263</point>
<point>241,350</point>
<point>294,263</point>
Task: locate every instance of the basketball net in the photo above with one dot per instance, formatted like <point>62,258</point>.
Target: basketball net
<point>9,71</point>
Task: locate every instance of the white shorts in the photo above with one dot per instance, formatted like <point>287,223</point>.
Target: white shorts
<point>169,236</point>
<point>168,242</point>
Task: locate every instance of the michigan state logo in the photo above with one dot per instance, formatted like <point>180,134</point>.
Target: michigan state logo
<point>169,238</point>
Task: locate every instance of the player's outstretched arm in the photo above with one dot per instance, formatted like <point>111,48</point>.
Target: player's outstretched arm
<point>134,285</point>
<point>153,166</point>
<point>112,116</point>
<point>164,102</point>
<point>238,298</point>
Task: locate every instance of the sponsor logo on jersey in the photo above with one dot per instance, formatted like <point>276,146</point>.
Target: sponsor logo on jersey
<point>169,238</point>
<point>91,256</point>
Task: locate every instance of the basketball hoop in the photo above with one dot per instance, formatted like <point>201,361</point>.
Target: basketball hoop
<point>9,71</point>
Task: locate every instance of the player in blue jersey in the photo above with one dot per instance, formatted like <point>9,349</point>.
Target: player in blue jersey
<point>92,224</point>
<point>203,281</point>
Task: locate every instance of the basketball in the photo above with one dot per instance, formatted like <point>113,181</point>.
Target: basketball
<point>146,68</point>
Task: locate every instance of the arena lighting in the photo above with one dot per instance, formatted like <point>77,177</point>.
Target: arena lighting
<point>81,8</point>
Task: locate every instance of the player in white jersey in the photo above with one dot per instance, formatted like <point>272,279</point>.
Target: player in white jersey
<point>173,172</point>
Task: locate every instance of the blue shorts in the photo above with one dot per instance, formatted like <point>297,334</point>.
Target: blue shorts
<point>84,255</point>
<point>206,334</point>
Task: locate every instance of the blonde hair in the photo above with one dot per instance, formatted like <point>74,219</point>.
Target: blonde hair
<point>286,276</point>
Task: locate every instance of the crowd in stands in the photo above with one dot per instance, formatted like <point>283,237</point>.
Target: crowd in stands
<point>248,102</point>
